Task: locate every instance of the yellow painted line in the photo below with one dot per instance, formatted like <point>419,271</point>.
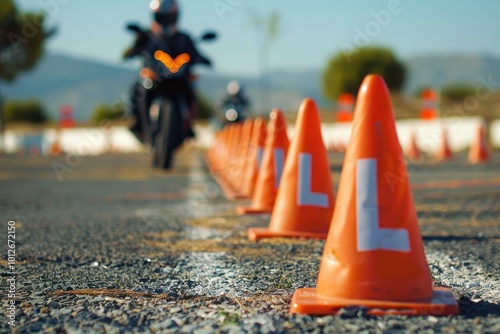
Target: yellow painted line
<point>108,176</point>
<point>456,184</point>
<point>147,196</point>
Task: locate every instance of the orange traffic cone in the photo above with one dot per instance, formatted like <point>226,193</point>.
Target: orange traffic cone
<point>234,137</point>
<point>216,149</point>
<point>273,159</point>
<point>238,168</point>
<point>345,107</point>
<point>341,146</point>
<point>430,101</point>
<point>444,152</point>
<point>227,169</point>
<point>305,199</point>
<point>253,157</point>
<point>217,156</point>
<point>479,152</point>
<point>413,151</point>
<point>330,147</point>
<point>374,256</point>
<point>55,147</point>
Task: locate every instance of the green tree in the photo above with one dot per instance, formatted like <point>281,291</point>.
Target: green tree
<point>203,107</point>
<point>457,92</point>
<point>344,73</point>
<point>22,37</point>
<point>417,93</point>
<point>104,111</point>
<point>30,111</point>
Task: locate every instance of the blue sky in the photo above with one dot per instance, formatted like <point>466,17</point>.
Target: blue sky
<point>312,31</point>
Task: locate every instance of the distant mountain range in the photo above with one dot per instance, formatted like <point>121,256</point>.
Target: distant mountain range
<point>439,71</point>
<point>60,79</point>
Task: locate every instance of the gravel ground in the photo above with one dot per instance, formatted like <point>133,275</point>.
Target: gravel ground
<point>120,248</point>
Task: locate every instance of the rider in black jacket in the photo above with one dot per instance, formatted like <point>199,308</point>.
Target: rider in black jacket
<point>165,36</point>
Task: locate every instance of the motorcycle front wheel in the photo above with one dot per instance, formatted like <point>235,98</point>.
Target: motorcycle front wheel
<point>169,134</point>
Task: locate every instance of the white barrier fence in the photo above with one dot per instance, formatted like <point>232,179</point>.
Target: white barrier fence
<point>495,133</point>
<point>95,141</point>
<point>77,141</point>
<point>461,132</point>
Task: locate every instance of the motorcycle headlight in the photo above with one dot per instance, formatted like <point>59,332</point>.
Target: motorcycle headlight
<point>231,115</point>
<point>148,83</point>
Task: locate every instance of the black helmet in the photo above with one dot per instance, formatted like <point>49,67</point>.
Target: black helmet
<point>165,12</point>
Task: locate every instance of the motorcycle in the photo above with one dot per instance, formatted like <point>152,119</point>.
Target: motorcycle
<point>233,113</point>
<point>170,79</point>
<point>230,111</point>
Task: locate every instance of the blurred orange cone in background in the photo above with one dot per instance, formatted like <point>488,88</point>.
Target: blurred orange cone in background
<point>273,160</point>
<point>55,147</point>
<point>429,110</point>
<point>374,255</point>
<point>444,152</point>
<point>253,158</point>
<point>341,146</point>
<point>479,152</point>
<point>345,108</point>
<point>413,152</point>
<point>305,198</point>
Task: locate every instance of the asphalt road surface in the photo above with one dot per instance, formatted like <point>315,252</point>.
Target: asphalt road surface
<point>107,244</point>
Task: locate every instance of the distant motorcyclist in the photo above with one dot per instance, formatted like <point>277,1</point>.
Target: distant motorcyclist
<point>163,35</point>
<point>235,105</point>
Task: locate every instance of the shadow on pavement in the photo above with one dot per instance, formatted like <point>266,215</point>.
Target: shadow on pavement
<point>472,309</point>
<point>454,214</point>
<point>452,238</point>
<point>336,168</point>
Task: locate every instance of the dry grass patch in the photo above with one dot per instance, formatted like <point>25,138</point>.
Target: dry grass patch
<point>5,264</point>
<point>117,293</point>
<point>264,303</point>
<point>238,247</point>
<point>109,293</point>
<point>288,241</point>
<point>162,235</point>
<point>479,223</point>
<point>438,207</point>
<point>219,223</point>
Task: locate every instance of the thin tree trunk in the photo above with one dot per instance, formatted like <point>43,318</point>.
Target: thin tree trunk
<point>263,78</point>
<point>2,125</point>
